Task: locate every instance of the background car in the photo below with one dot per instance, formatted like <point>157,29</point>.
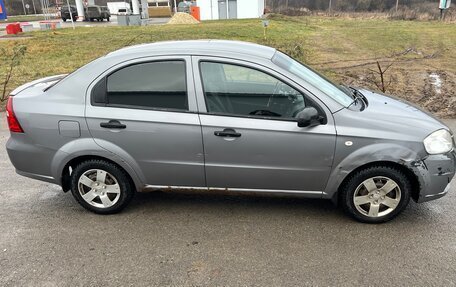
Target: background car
<point>95,12</point>
<point>66,15</point>
<point>185,6</point>
<point>124,11</point>
<point>225,115</point>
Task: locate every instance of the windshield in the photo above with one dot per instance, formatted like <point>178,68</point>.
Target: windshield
<point>313,78</point>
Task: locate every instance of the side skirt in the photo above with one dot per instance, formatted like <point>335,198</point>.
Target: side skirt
<point>304,193</point>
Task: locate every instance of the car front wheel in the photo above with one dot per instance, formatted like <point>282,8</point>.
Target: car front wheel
<point>101,187</point>
<point>376,194</point>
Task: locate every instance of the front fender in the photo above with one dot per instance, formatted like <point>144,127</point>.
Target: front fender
<point>346,161</point>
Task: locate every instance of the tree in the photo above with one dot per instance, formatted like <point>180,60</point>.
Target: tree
<point>12,59</point>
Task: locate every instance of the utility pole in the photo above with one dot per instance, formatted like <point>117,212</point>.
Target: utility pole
<point>71,14</point>
<point>286,5</point>
<point>23,5</point>
<point>397,4</point>
<point>330,6</point>
<point>34,8</point>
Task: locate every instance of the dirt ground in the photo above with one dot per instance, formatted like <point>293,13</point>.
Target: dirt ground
<point>411,75</point>
<point>432,89</point>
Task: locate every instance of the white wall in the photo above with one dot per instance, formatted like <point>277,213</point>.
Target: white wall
<point>245,9</point>
<point>261,7</point>
<point>206,13</point>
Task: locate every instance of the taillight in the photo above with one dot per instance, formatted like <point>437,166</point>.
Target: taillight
<point>13,123</point>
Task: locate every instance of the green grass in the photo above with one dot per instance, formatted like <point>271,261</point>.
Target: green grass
<point>338,47</point>
<point>23,18</point>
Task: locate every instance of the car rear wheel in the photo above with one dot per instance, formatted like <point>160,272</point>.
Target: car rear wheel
<point>376,194</point>
<point>101,187</point>
<point>64,19</point>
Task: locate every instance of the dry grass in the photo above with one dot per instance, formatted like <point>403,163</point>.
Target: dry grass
<point>346,49</point>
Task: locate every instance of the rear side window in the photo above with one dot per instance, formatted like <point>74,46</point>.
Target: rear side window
<point>159,85</point>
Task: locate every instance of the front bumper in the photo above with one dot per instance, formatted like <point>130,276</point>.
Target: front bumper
<point>435,173</point>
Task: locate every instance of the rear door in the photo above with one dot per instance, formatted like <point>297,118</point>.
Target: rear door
<point>250,134</point>
<point>145,112</point>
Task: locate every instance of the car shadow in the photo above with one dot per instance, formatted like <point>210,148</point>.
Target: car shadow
<point>223,203</point>
<point>228,206</point>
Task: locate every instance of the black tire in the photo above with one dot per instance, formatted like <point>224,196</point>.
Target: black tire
<point>126,188</point>
<point>349,188</point>
<point>108,19</point>
<point>64,19</point>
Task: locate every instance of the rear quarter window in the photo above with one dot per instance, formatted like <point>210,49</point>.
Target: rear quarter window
<point>156,85</point>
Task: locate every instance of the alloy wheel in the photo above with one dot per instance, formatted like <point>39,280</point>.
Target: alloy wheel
<point>99,188</point>
<point>377,196</point>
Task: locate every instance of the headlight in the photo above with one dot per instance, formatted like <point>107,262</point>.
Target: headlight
<point>438,142</point>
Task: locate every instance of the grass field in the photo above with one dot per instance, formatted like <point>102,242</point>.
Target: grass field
<point>23,18</point>
<point>421,53</point>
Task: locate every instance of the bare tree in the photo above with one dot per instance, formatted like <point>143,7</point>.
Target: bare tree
<point>11,59</point>
<point>381,72</point>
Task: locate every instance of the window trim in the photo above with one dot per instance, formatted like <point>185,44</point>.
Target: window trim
<point>138,107</point>
<point>222,61</point>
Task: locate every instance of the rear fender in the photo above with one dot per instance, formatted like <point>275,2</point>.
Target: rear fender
<point>88,147</point>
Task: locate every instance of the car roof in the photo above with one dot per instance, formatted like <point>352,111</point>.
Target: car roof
<point>199,47</point>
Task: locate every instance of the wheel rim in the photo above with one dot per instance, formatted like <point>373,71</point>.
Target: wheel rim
<point>99,188</point>
<point>377,196</point>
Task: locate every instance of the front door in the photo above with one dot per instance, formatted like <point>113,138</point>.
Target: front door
<point>145,112</point>
<point>250,135</point>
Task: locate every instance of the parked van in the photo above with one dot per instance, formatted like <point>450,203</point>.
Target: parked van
<point>95,12</point>
<point>67,14</point>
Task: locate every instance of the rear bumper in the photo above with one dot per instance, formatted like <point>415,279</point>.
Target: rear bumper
<point>30,160</point>
<point>37,176</point>
<point>435,174</point>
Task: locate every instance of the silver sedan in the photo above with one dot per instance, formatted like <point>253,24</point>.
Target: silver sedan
<point>225,115</point>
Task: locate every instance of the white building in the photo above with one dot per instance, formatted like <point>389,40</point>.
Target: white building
<point>230,9</point>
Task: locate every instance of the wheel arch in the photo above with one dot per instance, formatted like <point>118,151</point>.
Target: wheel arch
<point>72,163</point>
<point>411,176</point>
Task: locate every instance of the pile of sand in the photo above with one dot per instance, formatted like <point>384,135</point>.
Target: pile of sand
<point>182,18</point>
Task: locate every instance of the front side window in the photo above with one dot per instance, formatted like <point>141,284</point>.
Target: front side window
<point>238,90</point>
<point>160,85</point>
<point>315,79</point>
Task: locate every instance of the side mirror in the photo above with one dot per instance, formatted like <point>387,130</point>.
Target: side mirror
<point>308,117</point>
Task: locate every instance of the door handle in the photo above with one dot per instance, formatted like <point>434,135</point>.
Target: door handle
<point>113,124</point>
<point>227,133</point>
